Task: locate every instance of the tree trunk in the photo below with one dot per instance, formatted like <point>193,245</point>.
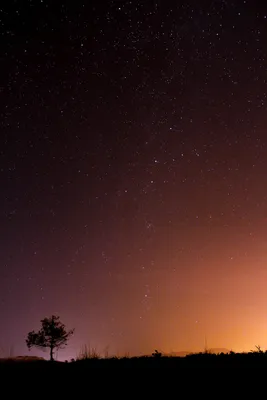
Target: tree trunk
<point>51,353</point>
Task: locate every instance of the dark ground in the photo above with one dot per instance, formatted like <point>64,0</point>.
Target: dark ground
<point>202,360</point>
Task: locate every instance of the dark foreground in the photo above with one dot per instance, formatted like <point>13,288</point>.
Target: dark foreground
<point>202,360</point>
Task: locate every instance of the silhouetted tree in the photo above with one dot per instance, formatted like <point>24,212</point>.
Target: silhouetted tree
<point>52,335</point>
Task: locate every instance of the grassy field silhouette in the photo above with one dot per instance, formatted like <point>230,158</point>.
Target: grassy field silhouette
<point>157,360</point>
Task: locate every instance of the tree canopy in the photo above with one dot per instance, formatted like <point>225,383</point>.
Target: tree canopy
<point>52,335</point>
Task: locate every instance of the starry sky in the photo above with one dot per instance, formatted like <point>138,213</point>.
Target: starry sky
<point>133,167</point>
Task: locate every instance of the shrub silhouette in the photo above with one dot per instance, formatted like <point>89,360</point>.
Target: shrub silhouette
<point>156,354</point>
<point>52,335</point>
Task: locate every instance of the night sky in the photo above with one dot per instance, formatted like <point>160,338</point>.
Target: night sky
<point>133,161</point>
